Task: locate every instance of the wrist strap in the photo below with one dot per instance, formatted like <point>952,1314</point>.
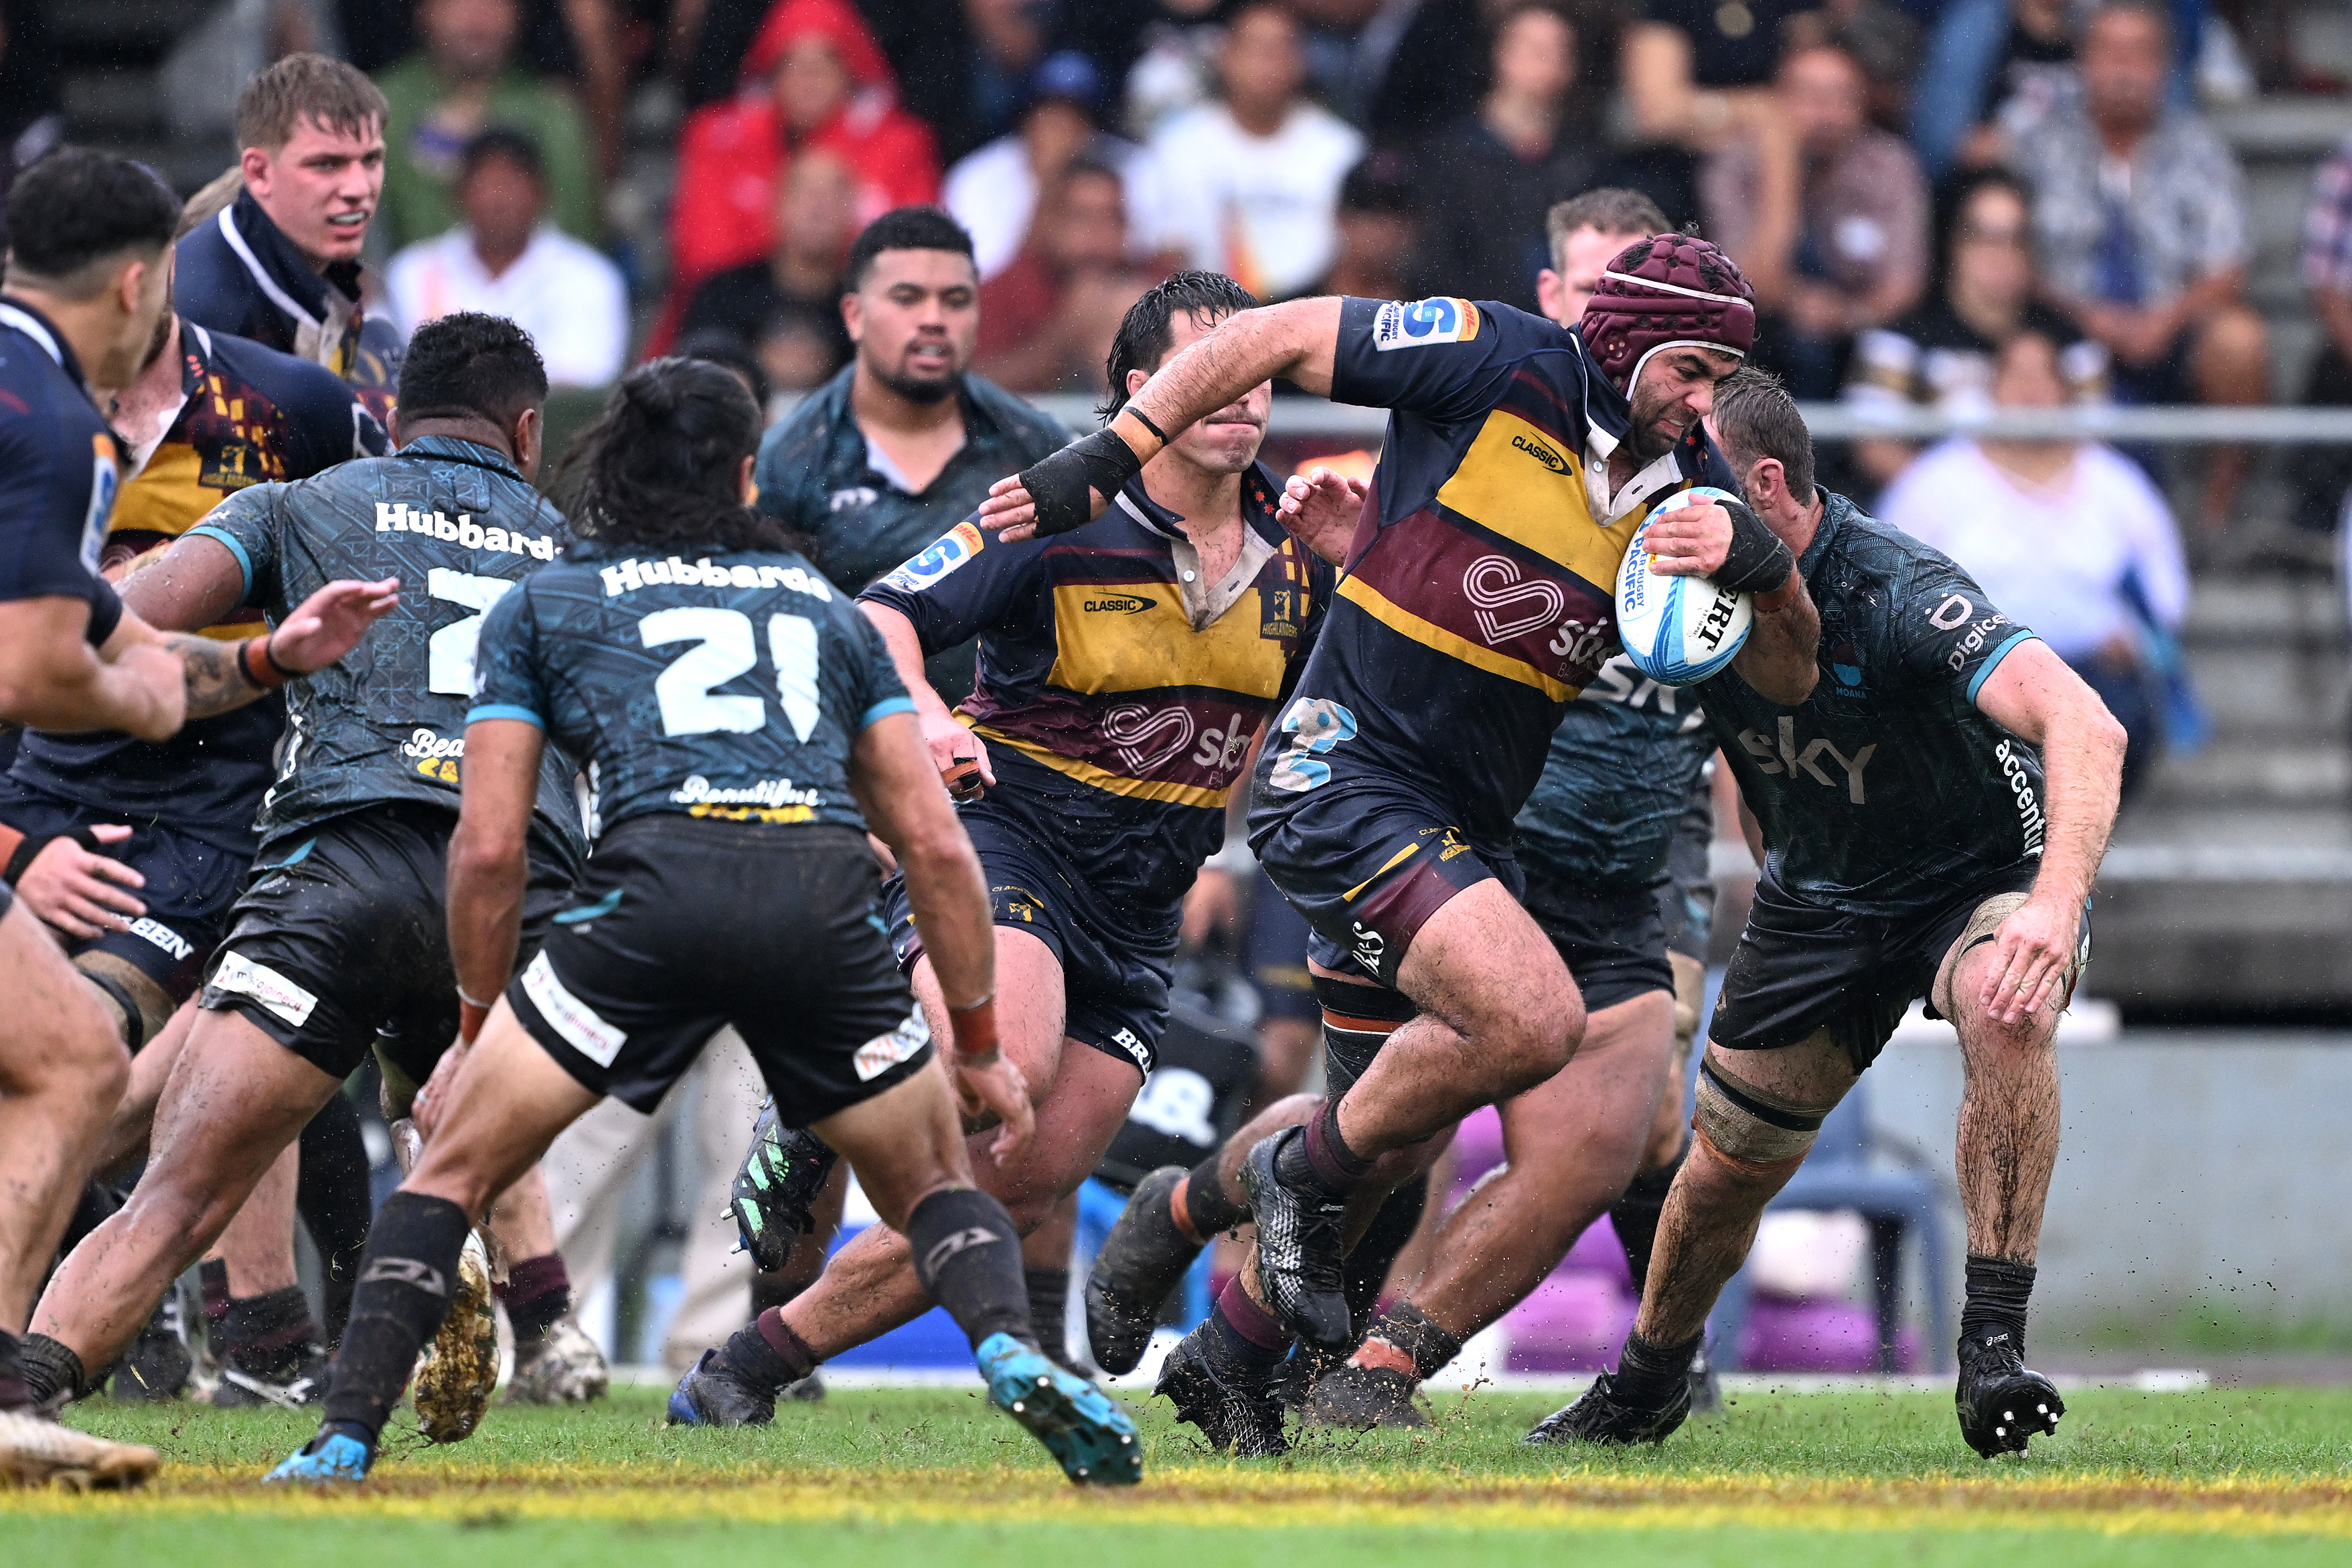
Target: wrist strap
<point>974,1029</point>
<point>262,671</point>
<point>471,1015</point>
<point>1140,417</point>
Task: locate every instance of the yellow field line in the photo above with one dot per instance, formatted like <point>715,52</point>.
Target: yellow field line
<point>2110,1503</point>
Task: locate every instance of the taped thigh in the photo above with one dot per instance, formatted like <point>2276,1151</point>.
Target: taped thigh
<point>1751,1129</point>
<point>1983,927</point>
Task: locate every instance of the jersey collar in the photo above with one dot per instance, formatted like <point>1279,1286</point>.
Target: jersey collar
<point>457,449</point>
<point>16,313</point>
<point>1835,510</point>
<point>1260,490</point>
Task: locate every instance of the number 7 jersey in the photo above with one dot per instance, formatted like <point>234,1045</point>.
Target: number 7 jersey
<point>460,526</point>
<point>732,684</point>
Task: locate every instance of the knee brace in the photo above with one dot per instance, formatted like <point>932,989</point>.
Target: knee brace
<point>1748,1128</point>
<point>1357,1022</point>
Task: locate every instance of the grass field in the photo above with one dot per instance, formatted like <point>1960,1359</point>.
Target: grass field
<point>2255,1477</point>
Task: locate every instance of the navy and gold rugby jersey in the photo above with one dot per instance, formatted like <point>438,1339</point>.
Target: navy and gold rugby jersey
<point>249,415</point>
<point>1479,595</point>
<point>58,473</point>
<point>1616,783</point>
<point>460,526</point>
<point>1888,790</point>
<point>1117,725</point>
<point>733,686</point>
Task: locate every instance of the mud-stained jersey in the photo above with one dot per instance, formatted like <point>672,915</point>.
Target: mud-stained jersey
<point>248,415</point>
<point>733,686</point>
<point>1117,705</point>
<point>1616,783</point>
<point>58,473</point>
<point>458,526</point>
<point>1479,594</point>
<point>1889,789</point>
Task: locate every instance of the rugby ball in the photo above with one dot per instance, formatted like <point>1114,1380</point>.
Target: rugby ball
<point>1677,630</point>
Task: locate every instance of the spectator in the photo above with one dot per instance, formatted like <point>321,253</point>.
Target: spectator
<point>1380,228</point>
<point>813,80</point>
<point>2067,537</point>
<point>1585,234</point>
<point>1859,255</point>
<point>1881,37</point>
<point>1254,180</point>
<point>770,308</point>
<point>2140,218</point>
<point>993,192</point>
<point>1519,154</point>
<point>504,260</point>
<point>1941,354</point>
<point>1995,69</point>
<point>2326,474</point>
<point>463,80</point>
<point>899,447</point>
<point>1697,79</point>
<point>1047,322</point>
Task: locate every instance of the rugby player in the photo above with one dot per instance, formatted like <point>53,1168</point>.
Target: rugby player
<point>731,885</point>
<point>1929,820</point>
<point>1520,460</point>
<point>1122,676</point>
<point>89,279</point>
<point>337,945</point>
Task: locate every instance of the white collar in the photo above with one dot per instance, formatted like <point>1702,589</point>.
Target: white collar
<point>1658,474</point>
<point>277,295</point>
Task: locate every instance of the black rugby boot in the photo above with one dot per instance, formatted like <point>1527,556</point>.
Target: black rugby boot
<point>1599,1415</point>
<point>772,1191</point>
<point>1142,1261</point>
<point>1361,1397</point>
<point>1233,1407</point>
<point>1301,1242</point>
<point>2001,1403</point>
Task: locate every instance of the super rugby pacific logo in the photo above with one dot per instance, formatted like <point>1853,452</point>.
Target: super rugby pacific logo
<point>1423,323</point>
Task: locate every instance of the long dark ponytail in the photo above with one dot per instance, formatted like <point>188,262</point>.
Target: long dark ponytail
<point>659,468</point>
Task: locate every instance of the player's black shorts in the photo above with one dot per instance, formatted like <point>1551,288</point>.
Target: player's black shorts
<point>1614,944</point>
<point>1274,949</point>
<point>1115,990</point>
<point>1799,967</point>
<point>684,925</point>
<point>341,941</point>
<point>190,885</point>
<point>1686,898</point>
<point>1367,867</point>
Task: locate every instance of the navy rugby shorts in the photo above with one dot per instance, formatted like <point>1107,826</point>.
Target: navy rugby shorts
<point>684,925</point>
<point>1614,944</point>
<point>1115,990</point>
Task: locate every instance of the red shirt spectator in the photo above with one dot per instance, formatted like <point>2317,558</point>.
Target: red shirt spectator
<point>813,78</point>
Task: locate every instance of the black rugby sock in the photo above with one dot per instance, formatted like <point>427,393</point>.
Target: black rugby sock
<point>264,1336</point>
<point>1209,1209</point>
<point>16,1393</point>
<point>1049,1308</point>
<point>1242,1339</point>
<point>1367,1268</point>
<point>52,1374</point>
<point>403,1293</point>
<point>1648,1375</point>
<point>767,1354</point>
<point>332,1195</point>
<point>968,1258</point>
<point>1998,1293</point>
<point>1635,1215</point>
<point>1322,1157</point>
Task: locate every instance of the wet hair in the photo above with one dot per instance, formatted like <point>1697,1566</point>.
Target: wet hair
<point>470,366</point>
<point>904,228</point>
<point>661,467</point>
<point>1149,327</point>
<point>1756,418</point>
<point>276,101</point>
<point>76,215</point>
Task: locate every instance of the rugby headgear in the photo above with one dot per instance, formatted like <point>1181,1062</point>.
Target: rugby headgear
<point>1674,290</point>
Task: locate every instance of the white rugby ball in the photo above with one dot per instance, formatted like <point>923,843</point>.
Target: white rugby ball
<point>1677,630</point>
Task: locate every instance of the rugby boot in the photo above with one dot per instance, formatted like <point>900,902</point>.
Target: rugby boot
<point>34,1452</point>
<point>1362,1397</point>
<point>562,1366</point>
<point>1301,1244</point>
<point>1599,1417</point>
<point>1705,1390</point>
<point>1084,1429</point>
<point>460,1370</point>
<point>158,1363</point>
<point>2001,1403</point>
<point>713,1393</point>
<point>242,1390</point>
<point>772,1190</point>
<point>1237,1415</point>
<point>328,1457</point>
<point>1141,1262</point>
<point>808,1390</point>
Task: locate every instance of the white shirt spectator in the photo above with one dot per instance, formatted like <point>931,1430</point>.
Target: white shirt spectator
<point>568,295</point>
<point>1260,208</point>
<point>2055,558</point>
<point>994,193</point>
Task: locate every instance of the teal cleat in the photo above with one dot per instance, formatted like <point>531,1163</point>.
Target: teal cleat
<point>1083,1427</point>
<point>330,1457</point>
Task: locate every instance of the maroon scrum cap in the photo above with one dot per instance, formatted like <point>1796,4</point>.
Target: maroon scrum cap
<point>1683,294</point>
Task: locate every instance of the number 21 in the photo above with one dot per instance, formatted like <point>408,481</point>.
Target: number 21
<point>724,650</point>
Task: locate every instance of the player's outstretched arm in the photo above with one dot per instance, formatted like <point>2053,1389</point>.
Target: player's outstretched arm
<point>51,678</point>
<point>951,744</point>
<point>900,794</point>
<point>487,860</point>
<point>1728,544</point>
<point>1298,341</point>
<point>220,676</point>
<point>2032,694</point>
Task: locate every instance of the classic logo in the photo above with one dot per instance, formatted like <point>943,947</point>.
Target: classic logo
<point>1542,454</point>
<point>1120,604</point>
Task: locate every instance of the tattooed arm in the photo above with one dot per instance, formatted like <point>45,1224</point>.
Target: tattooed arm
<point>220,676</point>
